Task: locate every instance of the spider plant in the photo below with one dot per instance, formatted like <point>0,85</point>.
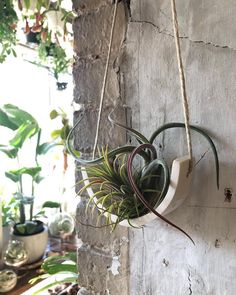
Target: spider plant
<point>126,187</point>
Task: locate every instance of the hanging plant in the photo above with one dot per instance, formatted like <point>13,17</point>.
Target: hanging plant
<point>123,193</point>
<point>129,191</point>
<point>8,25</point>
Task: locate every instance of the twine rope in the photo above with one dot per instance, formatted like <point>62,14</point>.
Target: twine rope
<point>105,79</point>
<point>182,84</point>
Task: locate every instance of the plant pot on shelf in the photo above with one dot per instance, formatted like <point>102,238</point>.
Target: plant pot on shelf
<point>32,38</point>
<point>35,244</point>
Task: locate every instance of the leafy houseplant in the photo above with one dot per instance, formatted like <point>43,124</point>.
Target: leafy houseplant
<point>58,265</point>
<point>8,23</point>
<point>126,187</point>
<point>25,127</point>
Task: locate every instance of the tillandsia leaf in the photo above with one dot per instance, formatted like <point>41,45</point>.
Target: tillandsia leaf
<point>197,129</point>
<point>139,136</point>
<point>139,194</point>
<point>113,193</point>
<point>112,154</point>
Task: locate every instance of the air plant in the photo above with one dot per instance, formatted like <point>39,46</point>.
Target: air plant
<point>128,188</point>
<point>113,193</point>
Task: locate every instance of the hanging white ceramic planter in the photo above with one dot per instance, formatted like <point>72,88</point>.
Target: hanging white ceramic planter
<point>178,191</point>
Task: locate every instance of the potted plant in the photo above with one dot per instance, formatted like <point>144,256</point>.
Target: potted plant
<point>126,192</point>
<point>24,127</point>
<point>8,23</point>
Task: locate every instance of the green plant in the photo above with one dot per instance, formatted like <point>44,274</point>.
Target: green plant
<point>60,135</point>
<point>24,127</point>
<point>54,56</point>
<point>124,188</point>
<point>9,211</point>
<point>8,23</point>
<point>63,264</point>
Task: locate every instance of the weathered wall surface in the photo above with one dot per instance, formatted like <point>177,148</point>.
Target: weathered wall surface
<point>162,260</point>
<point>103,257</point>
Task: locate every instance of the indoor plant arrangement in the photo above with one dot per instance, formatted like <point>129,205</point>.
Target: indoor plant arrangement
<point>39,18</point>
<point>8,25</point>
<point>25,127</point>
<point>123,190</point>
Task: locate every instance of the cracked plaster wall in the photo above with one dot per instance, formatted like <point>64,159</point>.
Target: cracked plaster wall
<point>159,260</point>
<point>162,260</point>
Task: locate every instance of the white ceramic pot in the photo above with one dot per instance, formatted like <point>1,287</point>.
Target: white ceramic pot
<point>178,190</point>
<point>35,245</point>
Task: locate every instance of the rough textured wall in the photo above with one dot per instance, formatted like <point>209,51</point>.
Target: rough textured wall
<point>162,260</point>
<point>103,257</point>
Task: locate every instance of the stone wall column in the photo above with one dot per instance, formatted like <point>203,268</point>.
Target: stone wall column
<point>103,257</point>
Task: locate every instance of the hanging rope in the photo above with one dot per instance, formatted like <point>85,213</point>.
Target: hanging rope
<point>105,79</point>
<point>182,84</point>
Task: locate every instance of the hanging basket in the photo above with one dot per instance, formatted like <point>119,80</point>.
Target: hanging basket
<point>178,190</point>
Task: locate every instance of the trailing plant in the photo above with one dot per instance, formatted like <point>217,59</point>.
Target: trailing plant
<point>8,25</point>
<point>126,189</point>
<point>24,127</point>
<point>53,55</point>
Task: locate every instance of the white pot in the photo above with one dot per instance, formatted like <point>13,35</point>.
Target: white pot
<point>176,194</point>
<point>35,245</point>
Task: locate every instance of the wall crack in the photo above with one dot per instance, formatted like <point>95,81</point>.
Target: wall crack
<point>165,32</point>
<point>190,283</point>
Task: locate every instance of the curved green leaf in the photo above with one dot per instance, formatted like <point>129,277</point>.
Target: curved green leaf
<point>197,129</point>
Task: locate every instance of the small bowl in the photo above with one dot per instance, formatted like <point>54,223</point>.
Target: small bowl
<point>8,280</point>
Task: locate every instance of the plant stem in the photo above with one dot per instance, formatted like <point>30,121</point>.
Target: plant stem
<point>31,210</point>
<point>22,212</point>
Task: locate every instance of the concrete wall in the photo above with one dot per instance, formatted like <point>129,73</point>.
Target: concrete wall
<point>160,260</point>
<point>103,257</point>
